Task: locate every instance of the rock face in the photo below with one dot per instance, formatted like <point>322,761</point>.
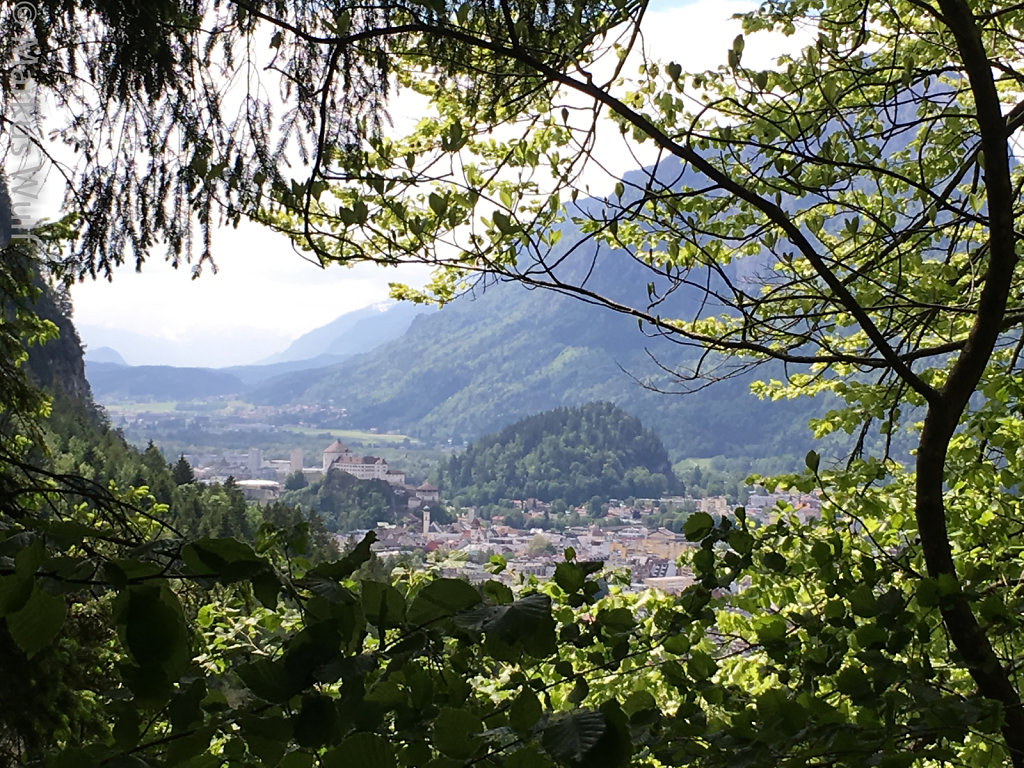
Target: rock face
<point>6,216</point>
<point>59,364</point>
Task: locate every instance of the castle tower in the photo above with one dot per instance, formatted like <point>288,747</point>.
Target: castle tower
<point>333,452</point>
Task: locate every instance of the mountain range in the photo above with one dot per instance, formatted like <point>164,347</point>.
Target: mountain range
<point>489,359</point>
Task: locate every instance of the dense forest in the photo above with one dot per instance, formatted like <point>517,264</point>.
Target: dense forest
<point>567,454</point>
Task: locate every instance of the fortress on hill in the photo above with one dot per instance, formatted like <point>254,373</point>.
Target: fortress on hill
<point>339,456</point>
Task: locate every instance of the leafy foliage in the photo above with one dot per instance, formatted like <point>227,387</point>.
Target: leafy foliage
<point>161,147</point>
<point>867,173</point>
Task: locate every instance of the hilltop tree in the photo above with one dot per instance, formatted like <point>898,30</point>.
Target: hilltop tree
<point>182,472</point>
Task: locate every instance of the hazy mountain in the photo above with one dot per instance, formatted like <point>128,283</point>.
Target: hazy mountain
<point>104,355</point>
<point>252,375</point>
<point>144,349</point>
<point>352,333</point>
<point>159,382</point>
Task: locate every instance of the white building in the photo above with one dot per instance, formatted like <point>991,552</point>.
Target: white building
<point>339,456</point>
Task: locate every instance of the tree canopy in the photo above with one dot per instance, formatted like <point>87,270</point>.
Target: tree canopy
<point>175,116</point>
<point>849,210</point>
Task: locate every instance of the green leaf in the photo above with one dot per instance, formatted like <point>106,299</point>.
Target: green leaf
<point>504,224</point>
<point>361,750</point>
<point>456,732</point>
<point>616,620</point>
<point>269,679</point>
<point>525,711</point>
<point>529,757</point>
<point>386,692</point>
<point>741,542</point>
<point>186,706</point>
<point>498,592</point>
<point>770,629</point>
<point>863,602</point>
<point>15,591</point>
<point>773,561</point>
<point>266,586</point>
<point>225,558</point>
<point>698,526</point>
<point>812,460</point>
<point>383,605</point>
<point>639,701</point>
<point>189,745</point>
<point>347,565</point>
<point>438,204</point>
<point>573,736</point>
<point>579,691</point>
<point>152,627</point>
<point>701,666</point>
<point>316,724</point>
<point>298,760</point>
<point>122,571</point>
<point>704,562</point>
<point>569,577</point>
<point>853,682</point>
<point>526,622</point>
<point>441,598</point>
<point>677,644</point>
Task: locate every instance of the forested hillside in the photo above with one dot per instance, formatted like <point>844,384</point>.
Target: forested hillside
<point>498,355</point>
<point>76,478</point>
<point>568,455</point>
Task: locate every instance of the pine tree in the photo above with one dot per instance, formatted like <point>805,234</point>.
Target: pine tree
<point>182,472</point>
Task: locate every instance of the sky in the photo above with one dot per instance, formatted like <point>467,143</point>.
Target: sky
<point>264,294</point>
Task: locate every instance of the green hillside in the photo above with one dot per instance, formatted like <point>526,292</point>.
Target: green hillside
<point>568,454</point>
<point>492,358</point>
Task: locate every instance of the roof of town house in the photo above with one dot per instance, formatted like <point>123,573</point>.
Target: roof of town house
<point>426,487</point>
<point>336,447</point>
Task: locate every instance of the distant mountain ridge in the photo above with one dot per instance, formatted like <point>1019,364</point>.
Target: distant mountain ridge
<point>505,353</point>
<point>343,337</point>
<point>104,355</point>
<point>351,333</point>
<point>160,382</point>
